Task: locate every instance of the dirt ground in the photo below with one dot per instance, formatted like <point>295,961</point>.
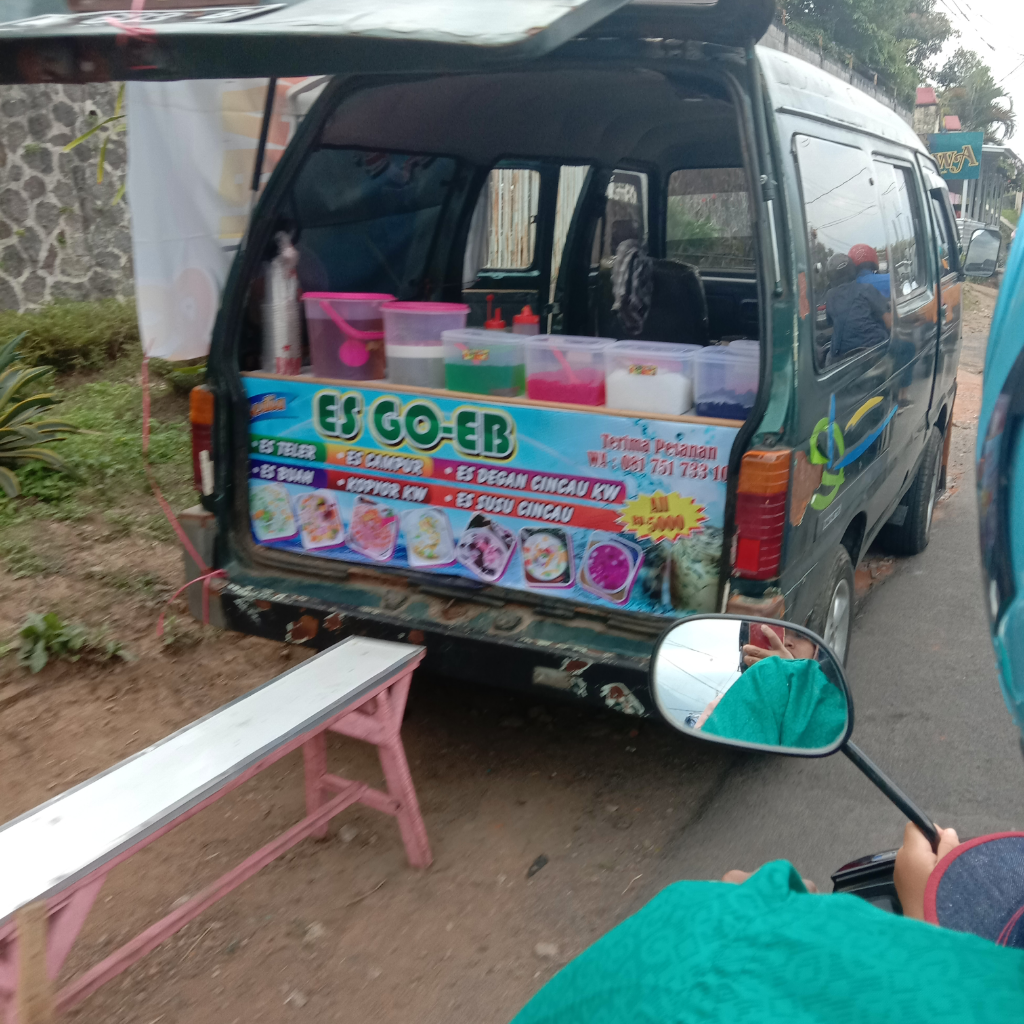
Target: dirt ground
<point>342,930</point>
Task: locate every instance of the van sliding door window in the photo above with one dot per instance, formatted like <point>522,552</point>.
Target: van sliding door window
<point>847,251</point>
<point>708,219</point>
<point>503,231</point>
<point>906,231</point>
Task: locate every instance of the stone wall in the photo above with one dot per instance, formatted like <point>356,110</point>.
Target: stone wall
<point>60,235</point>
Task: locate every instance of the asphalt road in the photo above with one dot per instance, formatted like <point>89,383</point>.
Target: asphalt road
<point>927,710</point>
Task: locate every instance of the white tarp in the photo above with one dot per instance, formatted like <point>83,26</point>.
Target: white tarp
<point>191,153</point>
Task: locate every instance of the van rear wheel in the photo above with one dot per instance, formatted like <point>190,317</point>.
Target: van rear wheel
<point>833,619</point>
<point>910,536</point>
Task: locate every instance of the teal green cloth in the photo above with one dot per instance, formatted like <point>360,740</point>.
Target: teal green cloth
<point>781,702</point>
<point>768,952</point>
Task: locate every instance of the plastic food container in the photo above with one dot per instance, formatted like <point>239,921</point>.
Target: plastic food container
<point>610,566</point>
<point>412,339</point>
<point>566,368</point>
<point>373,529</point>
<point>485,548</point>
<point>725,381</point>
<point>428,537</point>
<point>649,376</point>
<point>484,362</point>
<point>346,334</point>
<point>547,557</point>
<point>320,524</point>
<point>270,512</point>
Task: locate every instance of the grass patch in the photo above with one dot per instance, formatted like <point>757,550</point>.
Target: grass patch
<point>136,582</point>
<point>23,560</point>
<point>74,335</point>
<point>106,458</point>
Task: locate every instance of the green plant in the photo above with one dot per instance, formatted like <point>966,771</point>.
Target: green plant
<point>106,456</point>
<point>24,434</point>
<point>74,335</point>
<point>112,124</point>
<point>182,376</point>
<point>46,636</point>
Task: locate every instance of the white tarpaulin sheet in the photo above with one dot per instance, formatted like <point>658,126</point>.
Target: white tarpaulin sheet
<point>191,154</point>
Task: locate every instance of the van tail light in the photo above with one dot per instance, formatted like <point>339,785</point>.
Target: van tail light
<point>761,513</point>
<point>200,415</point>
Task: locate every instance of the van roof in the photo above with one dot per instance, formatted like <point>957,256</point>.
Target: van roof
<point>794,86</point>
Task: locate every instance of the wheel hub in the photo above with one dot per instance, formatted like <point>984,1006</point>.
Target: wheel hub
<point>837,622</point>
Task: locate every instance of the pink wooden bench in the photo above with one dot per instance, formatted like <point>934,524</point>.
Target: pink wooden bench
<point>54,859</point>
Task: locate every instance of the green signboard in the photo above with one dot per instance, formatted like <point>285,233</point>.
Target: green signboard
<point>958,154</point>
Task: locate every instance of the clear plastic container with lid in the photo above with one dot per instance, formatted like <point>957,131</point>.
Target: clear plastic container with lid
<point>412,339</point>
<point>649,376</point>
<point>566,368</point>
<point>725,380</point>
<point>346,334</point>
<point>484,362</point>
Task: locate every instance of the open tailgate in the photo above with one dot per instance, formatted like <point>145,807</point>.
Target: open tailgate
<point>114,40</point>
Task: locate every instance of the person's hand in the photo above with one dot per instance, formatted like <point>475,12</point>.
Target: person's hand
<point>753,653</point>
<point>915,862</point>
<point>736,877</point>
<point>706,713</point>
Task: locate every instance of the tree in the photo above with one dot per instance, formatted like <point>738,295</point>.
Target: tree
<point>975,97</point>
<point>898,39</point>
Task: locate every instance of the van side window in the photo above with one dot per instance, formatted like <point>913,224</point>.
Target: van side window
<point>571,179</point>
<point>624,217</point>
<point>708,220</point>
<point>907,238</point>
<point>846,244</point>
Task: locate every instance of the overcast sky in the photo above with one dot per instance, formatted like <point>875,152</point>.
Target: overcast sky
<point>995,29</point>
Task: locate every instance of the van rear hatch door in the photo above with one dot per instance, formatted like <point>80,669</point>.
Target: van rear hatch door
<point>101,40</point>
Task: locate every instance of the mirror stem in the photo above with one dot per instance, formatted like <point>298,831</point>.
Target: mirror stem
<point>894,793</point>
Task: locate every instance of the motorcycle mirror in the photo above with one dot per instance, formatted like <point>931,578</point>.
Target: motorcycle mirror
<point>755,684</point>
<point>763,685</point>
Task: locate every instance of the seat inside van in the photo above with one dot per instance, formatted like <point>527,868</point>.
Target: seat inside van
<point>530,183</point>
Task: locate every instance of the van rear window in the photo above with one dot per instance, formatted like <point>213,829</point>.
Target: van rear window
<point>367,219</point>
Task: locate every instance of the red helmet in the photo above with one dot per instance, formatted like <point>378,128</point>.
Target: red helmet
<point>861,254</point>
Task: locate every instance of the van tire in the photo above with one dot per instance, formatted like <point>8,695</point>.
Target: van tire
<point>912,536</point>
<point>833,616</point>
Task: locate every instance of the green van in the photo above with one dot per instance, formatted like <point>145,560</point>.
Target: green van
<point>636,171</point>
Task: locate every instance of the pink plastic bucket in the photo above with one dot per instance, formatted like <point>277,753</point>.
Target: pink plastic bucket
<point>412,338</point>
<point>346,334</point>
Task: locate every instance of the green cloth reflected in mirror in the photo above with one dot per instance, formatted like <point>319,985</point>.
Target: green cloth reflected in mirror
<point>781,704</point>
<point>747,683</point>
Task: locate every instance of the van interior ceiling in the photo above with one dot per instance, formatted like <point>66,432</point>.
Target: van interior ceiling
<point>524,187</point>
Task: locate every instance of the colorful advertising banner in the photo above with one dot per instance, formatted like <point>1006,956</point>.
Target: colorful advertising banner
<point>598,508</point>
<point>958,154</point>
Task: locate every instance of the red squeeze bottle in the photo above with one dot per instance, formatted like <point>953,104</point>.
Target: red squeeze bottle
<point>493,322</point>
<point>526,322</point>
